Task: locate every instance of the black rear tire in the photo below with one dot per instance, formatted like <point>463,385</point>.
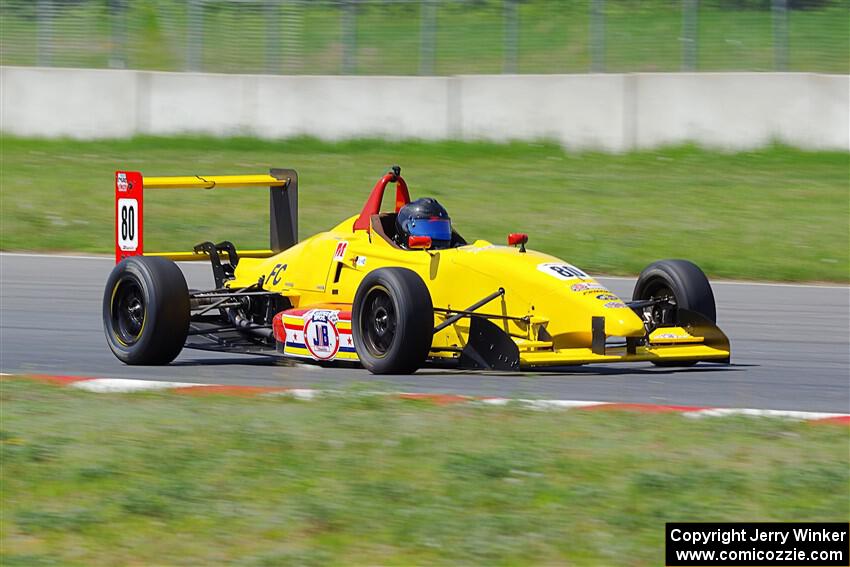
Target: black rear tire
<point>688,286</point>
<point>146,310</point>
<point>392,321</point>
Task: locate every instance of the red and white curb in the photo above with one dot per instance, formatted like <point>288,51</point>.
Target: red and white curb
<point>126,385</point>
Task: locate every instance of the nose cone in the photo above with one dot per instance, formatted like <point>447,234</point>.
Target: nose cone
<point>622,322</point>
<point>544,286</point>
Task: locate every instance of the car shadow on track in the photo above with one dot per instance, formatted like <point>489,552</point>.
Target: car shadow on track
<point>595,370</point>
<point>609,371</point>
<point>229,361</point>
<point>442,370</point>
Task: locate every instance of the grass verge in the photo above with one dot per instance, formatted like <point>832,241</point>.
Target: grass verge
<point>777,213</point>
<point>153,479</point>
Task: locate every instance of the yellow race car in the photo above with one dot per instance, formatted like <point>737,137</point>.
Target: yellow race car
<point>392,291</point>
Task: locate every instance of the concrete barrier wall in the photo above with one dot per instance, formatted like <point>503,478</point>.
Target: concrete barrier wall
<point>613,112</point>
<point>742,110</point>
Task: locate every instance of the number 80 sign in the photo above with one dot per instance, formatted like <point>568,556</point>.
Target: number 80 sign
<point>128,214</point>
<point>127,235</point>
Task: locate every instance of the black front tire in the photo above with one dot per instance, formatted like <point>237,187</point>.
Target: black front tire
<point>392,321</point>
<point>687,283</point>
<point>688,286</point>
<point>146,310</point>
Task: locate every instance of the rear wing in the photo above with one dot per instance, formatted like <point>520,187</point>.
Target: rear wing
<point>129,207</point>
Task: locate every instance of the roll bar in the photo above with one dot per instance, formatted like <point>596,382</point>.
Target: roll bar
<point>373,203</point>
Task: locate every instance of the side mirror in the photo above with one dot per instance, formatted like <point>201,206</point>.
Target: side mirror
<point>419,242</point>
<point>518,239</point>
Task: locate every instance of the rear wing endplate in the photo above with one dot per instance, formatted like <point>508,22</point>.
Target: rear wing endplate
<point>129,207</point>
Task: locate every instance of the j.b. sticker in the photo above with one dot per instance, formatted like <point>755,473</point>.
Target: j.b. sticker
<point>321,335</point>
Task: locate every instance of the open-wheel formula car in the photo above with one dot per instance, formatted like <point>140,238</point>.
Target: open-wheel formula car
<point>392,291</point>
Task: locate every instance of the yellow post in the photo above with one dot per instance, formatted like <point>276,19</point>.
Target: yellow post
<point>212,181</point>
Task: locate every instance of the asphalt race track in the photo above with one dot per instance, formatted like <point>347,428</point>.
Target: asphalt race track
<point>790,347</point>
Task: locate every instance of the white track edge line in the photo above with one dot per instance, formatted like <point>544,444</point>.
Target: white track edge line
<point>56,256</point>
<point>750,412</point>
<point>127,385</point>
<point>601,277</point>
<point>745,282</point>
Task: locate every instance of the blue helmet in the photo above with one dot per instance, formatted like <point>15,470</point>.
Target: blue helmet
<point>424,217</point>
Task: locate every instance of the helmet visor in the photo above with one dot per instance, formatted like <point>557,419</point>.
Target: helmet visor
<point>437,229</point>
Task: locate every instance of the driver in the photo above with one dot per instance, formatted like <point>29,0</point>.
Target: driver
<point>424,217</point>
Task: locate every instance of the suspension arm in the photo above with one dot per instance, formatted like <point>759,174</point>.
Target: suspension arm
<point>469,311</point>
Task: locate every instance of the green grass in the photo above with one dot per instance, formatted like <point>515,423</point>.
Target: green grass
<point>153,479</point>
<point>307,38</point>
<point>777,213</point>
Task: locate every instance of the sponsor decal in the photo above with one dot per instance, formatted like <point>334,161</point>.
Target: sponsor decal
<point>615,305</point>
<point>607,297</point>
<point>276,274</point>
<point>562,271</point>
<point>589,287</point>
<point>121,182</point>
<point>339,253</point>
<point>360,261</point>
<point>321,335</point>
<point>596,292</point>
<point>670,336</point>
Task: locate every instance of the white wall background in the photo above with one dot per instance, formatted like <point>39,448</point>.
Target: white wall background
<point>613,112</point>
